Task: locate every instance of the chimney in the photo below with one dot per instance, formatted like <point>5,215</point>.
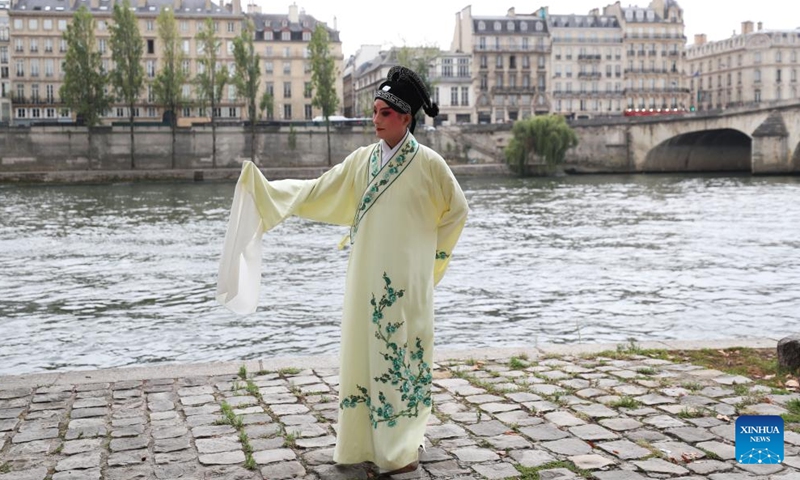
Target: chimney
<point>747,27</point>
<point>294,17</point>
<point>208,5</point>
<point>141,3</point>
<point>760,26</point>
<point>237,6</point>
<point>94,5</point>
<point>335,24</point>
<point>700,39</point>
<point>176,5</point>
<point>595,12</point>
<point>511,12</point>
<point>253,8</point>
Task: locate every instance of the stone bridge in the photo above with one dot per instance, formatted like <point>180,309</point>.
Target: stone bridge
<point>762,140</point>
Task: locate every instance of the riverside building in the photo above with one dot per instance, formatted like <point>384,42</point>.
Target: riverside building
<point>752,67</point>
<point>39,50</point>
<point>282,42</point>
<point>5,68</point>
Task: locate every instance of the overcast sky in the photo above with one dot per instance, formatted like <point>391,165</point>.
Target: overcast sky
<point>431,22</point>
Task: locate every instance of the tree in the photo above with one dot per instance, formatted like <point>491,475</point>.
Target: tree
<point>547,136</point>
<point>247,76</point>
<point>84,85</point>
<point>267,104</point>
<point>211,77</point>
<point>169,81</point>
<point>126,53</point>
<point>323,78</point>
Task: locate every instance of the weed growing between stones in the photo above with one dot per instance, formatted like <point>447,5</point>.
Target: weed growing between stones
<point>230,418</point>
<point>625,402</point>
<point>794,411</point>
<point>517,364</point>
<point>243,372</point>
<point>532,473</point>
<point>289,371</point>
<point>709,454</point>
<point>5,468</point>
<point>691,413</point>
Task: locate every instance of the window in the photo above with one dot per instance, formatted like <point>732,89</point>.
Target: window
<point>499,61</point>
<point>286,52</point>
<point>187,67</point>
<point>35,93</point>
<point>464,95</point>
<point>287,89</point>
<point>18,24</point>
<point>757,76</point>
<point>151,68</point>
<point>62,46</point>
<point>306,36</point>
<point>184,28</point>
<point>101,45</point>
<point>231,27</point>
<point>287,112</point>
<point>230,47</point>
<point>33,24</point>
<point>286,36</point>
<point>49,69</point>
<point>185,46</point>
<point>19,46</point>
<point>308,112</point>
<point>20,69</point>
<point>268,67</point>
<point>50,112</point>
<point>149,25</point>
<point>47,24</point>
<point>151,46</point>
<point>62,25</point>
<point>231,92</point>
<point>307,91</point>
<point>186,91</point>
<point>48,45</point>
<point>757,96</point>
<point>454,96</point>
<point>287,68</point>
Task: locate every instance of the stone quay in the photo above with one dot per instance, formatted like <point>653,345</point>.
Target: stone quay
<point>552,413</point>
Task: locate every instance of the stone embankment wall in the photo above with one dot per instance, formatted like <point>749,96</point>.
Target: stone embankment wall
<point>66,149</point>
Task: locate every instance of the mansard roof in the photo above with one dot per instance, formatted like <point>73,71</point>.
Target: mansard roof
<point>280,23</point>
<point>187,7</point>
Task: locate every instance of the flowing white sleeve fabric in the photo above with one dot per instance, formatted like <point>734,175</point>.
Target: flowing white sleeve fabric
<point>258,206</point>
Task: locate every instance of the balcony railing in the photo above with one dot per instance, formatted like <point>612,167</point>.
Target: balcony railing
<point>590,58</point>
<point>589,75</point>
<point>656,90</point>
<point>513,48</point>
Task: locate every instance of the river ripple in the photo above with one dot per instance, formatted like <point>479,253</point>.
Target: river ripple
<point>106,276</point>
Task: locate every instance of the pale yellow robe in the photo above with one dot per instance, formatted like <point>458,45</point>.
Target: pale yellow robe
<point>405,219</point>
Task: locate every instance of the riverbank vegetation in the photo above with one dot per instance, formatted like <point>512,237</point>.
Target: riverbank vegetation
<point>540,141</point>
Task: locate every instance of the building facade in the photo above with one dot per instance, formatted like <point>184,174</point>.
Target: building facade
<point>587,62</point>
<point>654,45</point>
<point>39,51</point>
<point>510,58</point>
<point>5,63</point>
<point>282,42</point>
<point>451,77</point>
<point>752,67</point>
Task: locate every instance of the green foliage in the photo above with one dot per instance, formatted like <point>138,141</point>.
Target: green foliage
<point>292,137</point>
<point>323,72</point>
<point>267,104</point>
<point>169,81</point>
<point>793,416</point>
<point>127,77</point>
<point>247,76</point>
<point>211,76</point>
<point>547,136</point>
<point>243,372</point>
<point>323,77</point>
<point>84,84</point>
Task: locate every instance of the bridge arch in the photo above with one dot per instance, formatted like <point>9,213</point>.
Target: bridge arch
<point>715,150</point>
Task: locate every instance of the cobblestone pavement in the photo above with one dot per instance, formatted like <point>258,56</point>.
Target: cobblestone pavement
<point>553,418</point>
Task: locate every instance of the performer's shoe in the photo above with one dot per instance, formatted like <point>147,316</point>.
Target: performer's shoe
<point>411,467</point>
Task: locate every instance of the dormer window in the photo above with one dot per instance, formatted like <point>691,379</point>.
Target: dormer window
<point>523,26</point>
<point>286,36</point>
<point>498,26</point>
<point>510,26</point>
<point>481,26</point>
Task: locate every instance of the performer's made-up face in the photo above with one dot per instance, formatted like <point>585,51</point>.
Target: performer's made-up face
<point>390,125</point>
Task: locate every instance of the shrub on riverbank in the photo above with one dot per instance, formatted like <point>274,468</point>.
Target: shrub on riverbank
<point>542,140</point>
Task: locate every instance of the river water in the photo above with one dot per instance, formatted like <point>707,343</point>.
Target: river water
<point>117,275</point>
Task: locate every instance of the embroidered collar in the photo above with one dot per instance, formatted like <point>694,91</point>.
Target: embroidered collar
<point>380,179</point>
